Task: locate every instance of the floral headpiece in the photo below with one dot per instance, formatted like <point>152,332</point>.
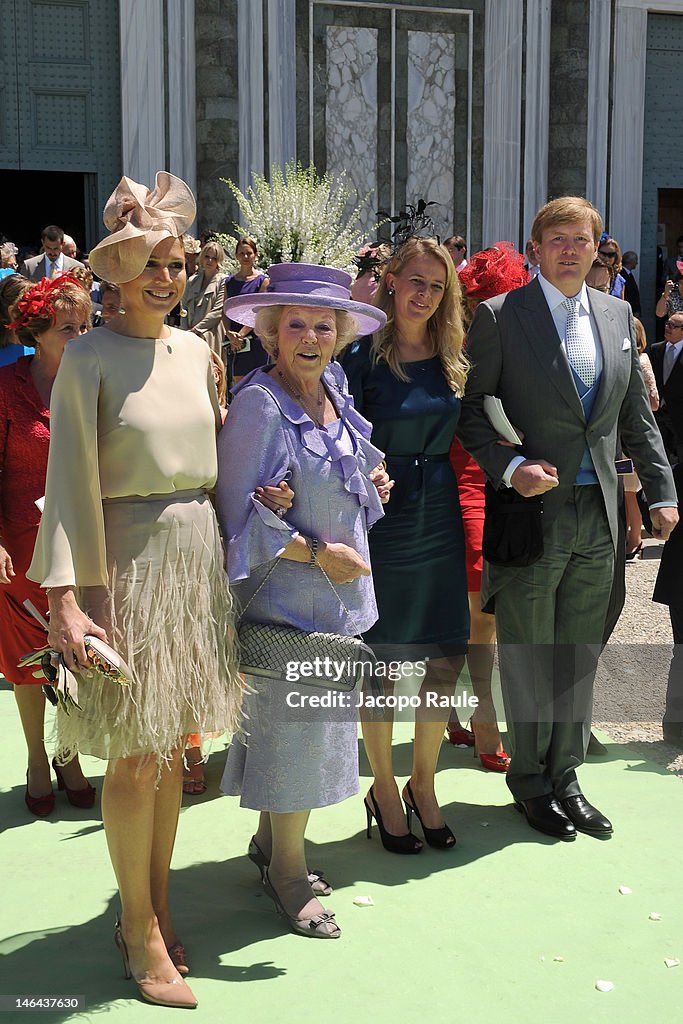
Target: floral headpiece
<point>369,259</point>
<point>413,222</point>
<point>37,302</point>
<point>493,272</point>
<point>138,219</point>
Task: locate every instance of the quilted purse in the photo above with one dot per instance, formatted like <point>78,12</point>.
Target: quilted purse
<point>338,662</point>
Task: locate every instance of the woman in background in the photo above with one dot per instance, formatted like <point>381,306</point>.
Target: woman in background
<point>491,272</point>
<point>204,298</point>
<point>610,251</point>
<point>45,316</point>
<point>12,286</point>
<point>246,352</point>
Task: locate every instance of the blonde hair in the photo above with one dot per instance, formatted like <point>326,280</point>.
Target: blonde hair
<point>617,262</point>
<point>268,324</point>
<point>222,382</point>
<point>444,328</point>
<point>566,210</point>
<point>641,337</point>
<point>212,249</point>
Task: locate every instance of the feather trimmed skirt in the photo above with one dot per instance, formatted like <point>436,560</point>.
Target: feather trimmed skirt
<point>169,613</point>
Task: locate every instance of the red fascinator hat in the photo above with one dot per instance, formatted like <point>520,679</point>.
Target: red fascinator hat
<point>493,272</point>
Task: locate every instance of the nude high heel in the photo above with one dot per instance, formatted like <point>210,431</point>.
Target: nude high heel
<point>175,994</point>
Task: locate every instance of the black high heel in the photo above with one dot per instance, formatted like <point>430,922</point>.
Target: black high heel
<point>394,844</point>
<point>440,838</point>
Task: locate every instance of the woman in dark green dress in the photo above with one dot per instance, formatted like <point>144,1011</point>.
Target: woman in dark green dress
<point>407,380</point>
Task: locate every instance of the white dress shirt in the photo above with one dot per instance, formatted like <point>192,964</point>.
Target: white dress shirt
<point>58,265</point>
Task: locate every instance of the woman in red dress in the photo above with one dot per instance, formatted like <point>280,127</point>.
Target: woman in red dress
<point>491,272</point>
<point>47,316</point>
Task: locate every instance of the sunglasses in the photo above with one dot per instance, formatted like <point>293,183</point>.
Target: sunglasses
<point>673,326</point>
<point>606,254</point>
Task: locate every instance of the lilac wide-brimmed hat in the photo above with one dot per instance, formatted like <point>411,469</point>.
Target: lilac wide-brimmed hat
<point>306,284</point>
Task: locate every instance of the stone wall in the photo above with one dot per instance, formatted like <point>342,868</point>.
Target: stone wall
<point>217,112</point>
<point>568,98</point>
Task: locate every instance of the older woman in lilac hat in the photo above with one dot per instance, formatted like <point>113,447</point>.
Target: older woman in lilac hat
<point>306,568</point>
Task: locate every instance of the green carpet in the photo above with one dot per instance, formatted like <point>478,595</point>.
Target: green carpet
<point>466,935</point>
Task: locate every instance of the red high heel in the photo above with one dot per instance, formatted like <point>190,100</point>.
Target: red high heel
<point>41,806</point>
<point>83,798</point>
<point>459,736</point>
<point>498,762</point>
<point>494,762</point>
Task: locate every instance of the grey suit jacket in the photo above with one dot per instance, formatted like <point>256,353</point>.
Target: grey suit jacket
<point>517,355</point>
<point>34,268</point>
<point>204,309</point>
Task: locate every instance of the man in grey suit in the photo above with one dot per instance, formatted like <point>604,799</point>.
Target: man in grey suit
<point>563,360</point>
<point>52,260</point>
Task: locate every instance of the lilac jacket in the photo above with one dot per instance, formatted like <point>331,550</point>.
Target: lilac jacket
<point>267,438</point>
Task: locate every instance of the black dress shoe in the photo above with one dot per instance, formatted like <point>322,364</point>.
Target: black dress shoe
<point>585,817</point>
<point>545,814</point>
<point>673,733</point>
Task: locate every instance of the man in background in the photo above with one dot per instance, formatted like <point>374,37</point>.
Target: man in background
<point>52,261</point>
<point>629,262</point>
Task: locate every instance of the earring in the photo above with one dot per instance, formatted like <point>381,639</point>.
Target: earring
<point>390,291</point>
<point>122,311</point>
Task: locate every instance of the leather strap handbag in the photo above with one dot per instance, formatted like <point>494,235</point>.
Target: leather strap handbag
<point>338,662</point>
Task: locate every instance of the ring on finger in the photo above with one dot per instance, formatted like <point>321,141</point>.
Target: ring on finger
<point>280,512</point>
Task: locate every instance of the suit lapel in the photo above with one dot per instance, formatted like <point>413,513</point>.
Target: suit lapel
<point>540,331</point>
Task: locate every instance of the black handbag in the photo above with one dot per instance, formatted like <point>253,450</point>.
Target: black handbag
<point>513,527</point>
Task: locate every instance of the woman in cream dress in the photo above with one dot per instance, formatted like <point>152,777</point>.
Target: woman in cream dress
<point>129,549</point>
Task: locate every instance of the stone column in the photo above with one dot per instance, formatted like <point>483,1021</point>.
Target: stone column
<point>537,109</point>
<point>598,103</point>
<point>568,97</point>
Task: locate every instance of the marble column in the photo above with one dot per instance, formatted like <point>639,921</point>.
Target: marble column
<point>351,114</point>
<point>250,89</point>
<point>502,120</point>
<point>598,102</point>
<point>143,98</point>
<point>182,114</point>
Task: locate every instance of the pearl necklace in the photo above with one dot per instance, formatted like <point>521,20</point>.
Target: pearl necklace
<point>303,399</point>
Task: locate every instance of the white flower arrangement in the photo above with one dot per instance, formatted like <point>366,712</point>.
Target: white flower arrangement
<point>300,217</point>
